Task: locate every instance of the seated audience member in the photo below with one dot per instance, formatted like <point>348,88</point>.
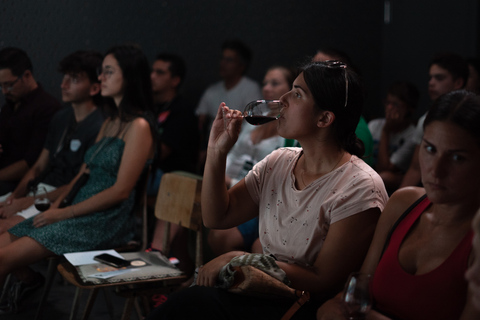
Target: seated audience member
<point>473,273</point>
<point>177,143</point>
<point>473,82</point>
<point>24,118</point>
<point>391,155</point>
<point>71,132</point>
<point>254,144</point>
<point>235,88</point>
<point>362,131</point>
<point>100,215</point>
<point>178,137</point>
<point>447,72</point>
<point>318,205</point>
<point>423,241</point>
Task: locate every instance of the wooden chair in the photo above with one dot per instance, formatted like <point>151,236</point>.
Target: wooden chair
<point>139,210</point>
<point>178,201</point>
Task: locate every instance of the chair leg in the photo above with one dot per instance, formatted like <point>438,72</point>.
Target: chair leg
<point>76,300</point>
<point>108,302</point>
<point>91,299</point>
<point>6,286</point>
<point>127,310</point>
<point>52,264</point>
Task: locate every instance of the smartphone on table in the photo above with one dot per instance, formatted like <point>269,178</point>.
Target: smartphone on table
<point>110,260</point>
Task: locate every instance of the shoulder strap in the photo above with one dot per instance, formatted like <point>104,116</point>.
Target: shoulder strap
<point>399,220</point>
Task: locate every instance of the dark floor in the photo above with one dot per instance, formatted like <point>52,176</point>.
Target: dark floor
<point>60,300</point>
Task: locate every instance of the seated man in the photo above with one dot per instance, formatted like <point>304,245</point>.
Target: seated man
<point>391,155</point>
<point>24,118</point>
<point>71,132</point>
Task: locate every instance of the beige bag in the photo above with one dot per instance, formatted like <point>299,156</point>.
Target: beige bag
<point>251,281</point>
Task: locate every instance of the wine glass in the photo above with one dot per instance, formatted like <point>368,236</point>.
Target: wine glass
<point>262,111</point>
<point>357,295</point>
<point>42,203</point>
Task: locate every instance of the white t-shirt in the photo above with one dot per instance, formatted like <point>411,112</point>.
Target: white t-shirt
<point>244,153</point>
<point>400,149</point>
<point>237,98</point>
<point>294,223</point>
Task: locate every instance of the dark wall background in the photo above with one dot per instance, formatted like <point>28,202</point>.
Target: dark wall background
<point>279,32</point>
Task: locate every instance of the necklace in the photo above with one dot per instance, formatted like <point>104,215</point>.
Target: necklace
<point>321,174</point>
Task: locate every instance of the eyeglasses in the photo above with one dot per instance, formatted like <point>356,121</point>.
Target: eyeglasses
<point>335,64</point>
<point>8,86</point>
<point>107,71</point>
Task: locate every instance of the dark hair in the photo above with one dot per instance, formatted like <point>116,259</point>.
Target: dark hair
<point>328,90</point>
<point>16,60</point>
<point>339,55</point>
<point>453,63</point>
<point>241,49</point>
<point>289,73</point>
<point>405,91</point>
<point>460,107</point>
<point>177,65</point>
<point>137,89</point>
<point>82,61</point>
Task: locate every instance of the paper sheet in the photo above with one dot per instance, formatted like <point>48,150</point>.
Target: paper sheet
<point>86,257</point>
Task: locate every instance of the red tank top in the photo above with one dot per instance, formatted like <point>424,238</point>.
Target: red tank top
<point>438,294</point>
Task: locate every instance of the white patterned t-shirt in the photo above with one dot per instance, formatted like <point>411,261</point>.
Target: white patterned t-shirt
<point>294,223</point>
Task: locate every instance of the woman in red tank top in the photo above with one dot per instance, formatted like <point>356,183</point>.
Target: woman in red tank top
<point>423,244</point>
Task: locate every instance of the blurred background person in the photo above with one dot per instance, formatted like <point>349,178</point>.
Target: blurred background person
<point>391,156</point>
<point>235,89</point>
<point>24,118</point>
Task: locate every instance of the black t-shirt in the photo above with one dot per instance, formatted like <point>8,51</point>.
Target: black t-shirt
<point>23,131</point>
<point>178,129</point>
<point>67,141</point>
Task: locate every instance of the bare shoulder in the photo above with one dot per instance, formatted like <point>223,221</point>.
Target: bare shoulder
<point>400,201</point>
<point>139,127</point>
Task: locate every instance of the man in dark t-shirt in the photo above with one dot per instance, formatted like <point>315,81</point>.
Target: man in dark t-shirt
<point>71,132</point>
<point>24,118</point>
<point>178,137</point>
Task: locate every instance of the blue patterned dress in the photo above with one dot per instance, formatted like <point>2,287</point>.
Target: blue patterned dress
<point>100,230</point>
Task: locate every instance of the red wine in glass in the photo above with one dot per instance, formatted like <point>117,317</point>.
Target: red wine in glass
<point>42,203</point>
<point>258,120</point>
<point>259,112</point>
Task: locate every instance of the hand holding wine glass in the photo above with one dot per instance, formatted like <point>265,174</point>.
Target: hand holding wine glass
<point>41,201</point>
<point>357,295</point>
<point>262,111</point>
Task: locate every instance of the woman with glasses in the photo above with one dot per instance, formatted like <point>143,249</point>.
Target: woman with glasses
<point>422,246</point>
<point>317,205</point>
<point>100,216</point>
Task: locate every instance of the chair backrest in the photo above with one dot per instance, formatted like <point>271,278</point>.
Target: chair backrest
<point>178,201</point>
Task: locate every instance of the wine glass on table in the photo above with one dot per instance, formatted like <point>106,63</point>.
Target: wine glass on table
<point>262,111</point>
<point>357,296</point>
<point>41,201</point>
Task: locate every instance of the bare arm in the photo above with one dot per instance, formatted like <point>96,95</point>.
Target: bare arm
<point>343,251</point>
<point>39,166</point>
<point>222,208</point>
<point>15,171</point>
<point>383,163</point>
<point>413,176</point>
